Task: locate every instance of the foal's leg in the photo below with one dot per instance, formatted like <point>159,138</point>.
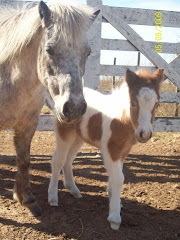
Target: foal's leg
<point>58,160</point>
<point>116,180</point>
<point>22,141</point>
<point>67,169</point>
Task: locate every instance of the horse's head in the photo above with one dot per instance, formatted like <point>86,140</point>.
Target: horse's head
<point>144,98</point>
<point>63,54</point>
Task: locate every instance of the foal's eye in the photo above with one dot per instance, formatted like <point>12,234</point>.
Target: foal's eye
<point>50,51</point>
<point>157,104</point>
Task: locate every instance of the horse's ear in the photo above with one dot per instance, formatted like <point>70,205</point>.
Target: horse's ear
<point>159,74</point>
<point>95,14</point>
<point>45,14</point>
<point>130,77</point>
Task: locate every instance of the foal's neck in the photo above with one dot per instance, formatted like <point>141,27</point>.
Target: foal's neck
<point>122,99</point>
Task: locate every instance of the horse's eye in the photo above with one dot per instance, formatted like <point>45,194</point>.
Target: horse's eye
<point>133,104</point>
<point>89,53</point>
<point>50,51</point>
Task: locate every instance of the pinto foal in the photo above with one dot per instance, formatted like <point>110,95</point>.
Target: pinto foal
<point>113,123</point>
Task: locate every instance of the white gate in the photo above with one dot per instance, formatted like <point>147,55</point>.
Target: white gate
<point>120,18</point>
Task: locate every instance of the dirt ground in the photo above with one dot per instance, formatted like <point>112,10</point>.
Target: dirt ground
<point>150,196</point>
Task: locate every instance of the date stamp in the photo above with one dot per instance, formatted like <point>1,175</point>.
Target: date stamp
<point>158,32</point>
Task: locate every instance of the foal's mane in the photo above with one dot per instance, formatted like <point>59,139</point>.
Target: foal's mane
<point>149,79</point>
<point>145,74</point>
<point>19,26</point>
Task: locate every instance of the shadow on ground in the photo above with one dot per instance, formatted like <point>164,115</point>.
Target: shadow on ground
<point>86,218</point>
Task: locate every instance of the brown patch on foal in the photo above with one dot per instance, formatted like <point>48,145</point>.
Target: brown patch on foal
<point>153,112</point>
<point>95,127</point>
<point>134,112</point>
<point>65,129</point>
<point>121,139</point>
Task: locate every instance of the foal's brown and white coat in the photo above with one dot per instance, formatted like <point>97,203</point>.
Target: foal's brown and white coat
<point>113,123</point>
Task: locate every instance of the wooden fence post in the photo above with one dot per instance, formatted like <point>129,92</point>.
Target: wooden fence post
<point>91,77</point>
<point>139,59</point>
<point>177,105</point>
<point>114,77</point>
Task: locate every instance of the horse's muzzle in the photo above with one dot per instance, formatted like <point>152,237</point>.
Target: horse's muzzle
<point>73,111</point>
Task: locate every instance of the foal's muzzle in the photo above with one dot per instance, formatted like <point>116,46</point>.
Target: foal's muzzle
<point>143,136</point>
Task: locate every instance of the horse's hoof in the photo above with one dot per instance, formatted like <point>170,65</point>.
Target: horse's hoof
<point>35,209</point>
<point>115,226</point>
<point>53,204</point>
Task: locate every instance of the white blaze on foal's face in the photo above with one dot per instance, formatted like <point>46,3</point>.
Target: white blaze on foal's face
<point>147,99</point>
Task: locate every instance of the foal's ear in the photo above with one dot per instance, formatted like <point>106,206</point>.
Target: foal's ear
<point>159,74</point>
<point>45,14</point>
<point>130,77</point>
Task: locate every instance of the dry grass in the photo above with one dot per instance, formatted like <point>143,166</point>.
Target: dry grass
<point>46,110</point>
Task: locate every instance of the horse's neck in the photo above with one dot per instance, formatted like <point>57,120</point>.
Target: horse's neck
<point>26,62</point>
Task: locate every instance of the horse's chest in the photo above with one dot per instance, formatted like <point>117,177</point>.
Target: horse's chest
<point>15,104</point>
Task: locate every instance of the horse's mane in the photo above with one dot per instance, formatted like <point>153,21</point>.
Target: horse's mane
<point>19,26</point>
<point>73,19</point>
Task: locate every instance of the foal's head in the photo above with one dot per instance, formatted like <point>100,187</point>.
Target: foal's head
<point>63,54</point>
<point>144,98</point>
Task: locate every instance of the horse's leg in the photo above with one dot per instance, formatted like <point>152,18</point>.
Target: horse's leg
<point>22,141</point>
<point>68,179</point>
<point>116,180</point>
<point>58,160</point>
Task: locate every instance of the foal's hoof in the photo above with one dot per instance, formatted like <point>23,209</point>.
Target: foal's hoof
<point>15,197</point>
<point>53,203</point>
<point>77,195</point>
<point>115,221</point>
<point>115,226</point>
<point>34,208</point>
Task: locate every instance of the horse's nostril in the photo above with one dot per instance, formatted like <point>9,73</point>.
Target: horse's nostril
<point>141,135</point>
<point>68,108</point>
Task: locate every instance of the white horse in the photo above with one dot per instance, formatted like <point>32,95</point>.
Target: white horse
<point>43,45</point>
<point>112,123</point>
